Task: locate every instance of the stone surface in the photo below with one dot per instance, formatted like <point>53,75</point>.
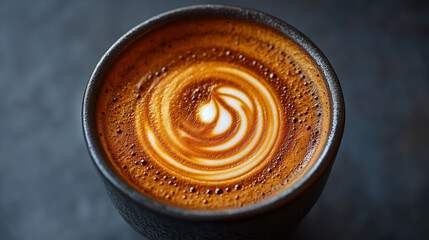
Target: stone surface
<point>379,186</point>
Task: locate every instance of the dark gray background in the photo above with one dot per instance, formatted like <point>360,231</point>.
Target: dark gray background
<point>379,185</point>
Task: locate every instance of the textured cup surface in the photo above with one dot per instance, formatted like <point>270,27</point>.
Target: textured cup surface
<point>213,107</point>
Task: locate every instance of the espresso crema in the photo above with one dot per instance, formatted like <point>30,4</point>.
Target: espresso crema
<point>212,113</point>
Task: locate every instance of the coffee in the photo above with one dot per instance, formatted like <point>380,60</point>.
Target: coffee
<point>212,113</point>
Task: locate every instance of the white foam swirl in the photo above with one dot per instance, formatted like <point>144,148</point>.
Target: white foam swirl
<point>235,133</point>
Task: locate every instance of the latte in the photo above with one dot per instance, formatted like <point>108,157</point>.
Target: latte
<point>212,113</point>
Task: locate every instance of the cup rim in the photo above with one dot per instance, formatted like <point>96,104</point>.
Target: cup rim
<point>321,164</point>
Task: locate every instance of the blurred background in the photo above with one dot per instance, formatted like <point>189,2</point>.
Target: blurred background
<point>379,186</point>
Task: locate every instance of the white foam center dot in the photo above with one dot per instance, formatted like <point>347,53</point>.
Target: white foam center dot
<point>207,112</point>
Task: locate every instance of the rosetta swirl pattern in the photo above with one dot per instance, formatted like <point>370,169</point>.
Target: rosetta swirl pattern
<point>231,135</point>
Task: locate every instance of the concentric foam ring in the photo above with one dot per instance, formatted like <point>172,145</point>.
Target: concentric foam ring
<point>237,130</point>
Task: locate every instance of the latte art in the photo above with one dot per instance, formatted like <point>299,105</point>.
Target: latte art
<point>212,113</point>
<point>230,135</point>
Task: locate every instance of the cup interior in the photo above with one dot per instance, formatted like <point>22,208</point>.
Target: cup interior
<point>321,164</point>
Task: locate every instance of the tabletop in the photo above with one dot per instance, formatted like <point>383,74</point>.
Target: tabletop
<point>379,185</point>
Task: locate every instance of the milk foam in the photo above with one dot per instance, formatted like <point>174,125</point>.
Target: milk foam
<point>224,122</point>
<point>208,112</point>
<point>239,133</point>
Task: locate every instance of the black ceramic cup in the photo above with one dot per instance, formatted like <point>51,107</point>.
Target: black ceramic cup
<point>273,218</point>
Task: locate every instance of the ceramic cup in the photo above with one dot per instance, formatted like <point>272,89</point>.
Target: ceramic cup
<point>273,218</point>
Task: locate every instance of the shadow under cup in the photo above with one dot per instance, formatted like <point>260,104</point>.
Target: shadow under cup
<point>272,218</point>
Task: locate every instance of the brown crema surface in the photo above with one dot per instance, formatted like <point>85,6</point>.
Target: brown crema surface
<point>212,113</point>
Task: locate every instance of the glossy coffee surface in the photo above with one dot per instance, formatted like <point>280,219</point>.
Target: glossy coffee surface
<point>212,113</point>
